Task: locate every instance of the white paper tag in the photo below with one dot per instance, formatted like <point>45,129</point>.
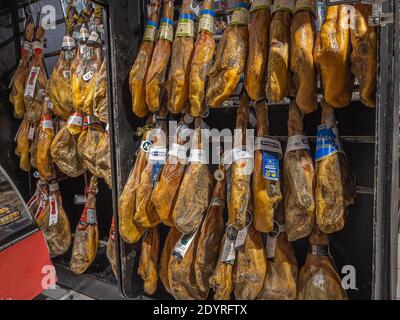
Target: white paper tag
<point>66,74</point>
<point>88,75</point>
<point>107,127</point>
<point>198,155</point>
<point>229,251</point>
<point>270,246</point>
<point>53,216</point>
<point>79,199</point>
<point>75,119</point>
<point>47,124</point>
<point>241,152</point>
<point>297,142</point>
<point>268,144</point>
<point>252,119</point>
<point>53,187</point>
<point>91,216</point>
<point>31,83</point>
<point>31,133</point>
<point>179,151</point>
<point>50,105</point>
<point>157,154</point>
<point>183,245</point>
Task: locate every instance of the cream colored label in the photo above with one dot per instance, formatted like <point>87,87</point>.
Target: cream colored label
<point>286,5</point>
<point>167,32</point>
<point>150,33</point>
<point>260,4</point>
<point>240,17</point>
<point>185,29</point>
<point>305,5</point>
<point>206,23</point>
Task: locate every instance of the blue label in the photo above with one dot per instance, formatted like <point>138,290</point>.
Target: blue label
<point>326,143</point>
<point>168,21</point>
<point>210,12</point>
<point>185,16</point>
<point>270,163</point>
<point>243,5</point>
<point>154,172</point>
<point>152,24</point>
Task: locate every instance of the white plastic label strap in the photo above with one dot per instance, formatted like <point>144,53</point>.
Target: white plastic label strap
<point>91,216</point>
<point>167,29</point>
<point>240,15</point>
<point>107,127</point>
<point>31,83</point>
<point>31,133</point>
<point>241,152</point>
<point>198,155</point>
<point>268,144</point>
<point>76,119</point>
<point>179,151</point>
<point>228,251</point>
<point>27,46</point>
<point>260,4</point>
<point>272,238</point>
<point>37,46</point>
<point>53,217</point>
<point>47,122</point>
<point>157,154</point>
<point>242,233</point>
<point>53,187</point>
<point>183,245</point>
<point>151,31</point>
<point>207,20</point>
<point>185,26</point>
<point>297,142</point>
<point>286,5</point>
<point>305,5</point>
<point>68,42</point>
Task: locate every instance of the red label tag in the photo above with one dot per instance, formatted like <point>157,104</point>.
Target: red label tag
<point>33,199</point>
<point>53,217</point>
<point>40,209</point>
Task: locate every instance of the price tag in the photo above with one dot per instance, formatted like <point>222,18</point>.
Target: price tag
<point>31,133</point>
<point>88,75</point>
<point>53,217</point>
<point>31,83</point>
<point>157,154</point>
<point>67,74</point>
<point>297,142</point>
<point>47,122</point>
<point>183,245</point>
<point>241,152</point>
<point>91,217</point>
<point>185,26</point>
<point>271,246</point>
<point>79,199</point>
<point>228,251</point>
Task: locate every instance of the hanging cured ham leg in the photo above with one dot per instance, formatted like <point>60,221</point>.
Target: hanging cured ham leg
<point>302,65</point>
<point>281,277</point>
<point>86,239</point>
<point>169,245</point>
<point>239,189</point>
<point>211,234</point>
<point>266,189</point>
<point>332,56</point>
<point>335,188</point>
<point>20,76</point>
<point>159,61</point>
<point>138,73</point>
<point>230,57</point>
<point>299,179</point>
<point>202,60</point>
<point>182,50</point>
<point>278,75</point>
<point>257,59</point>
<point>190,207</point>
<point>318,278</point>
<point>364,54</point>
<point>148,263</point>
